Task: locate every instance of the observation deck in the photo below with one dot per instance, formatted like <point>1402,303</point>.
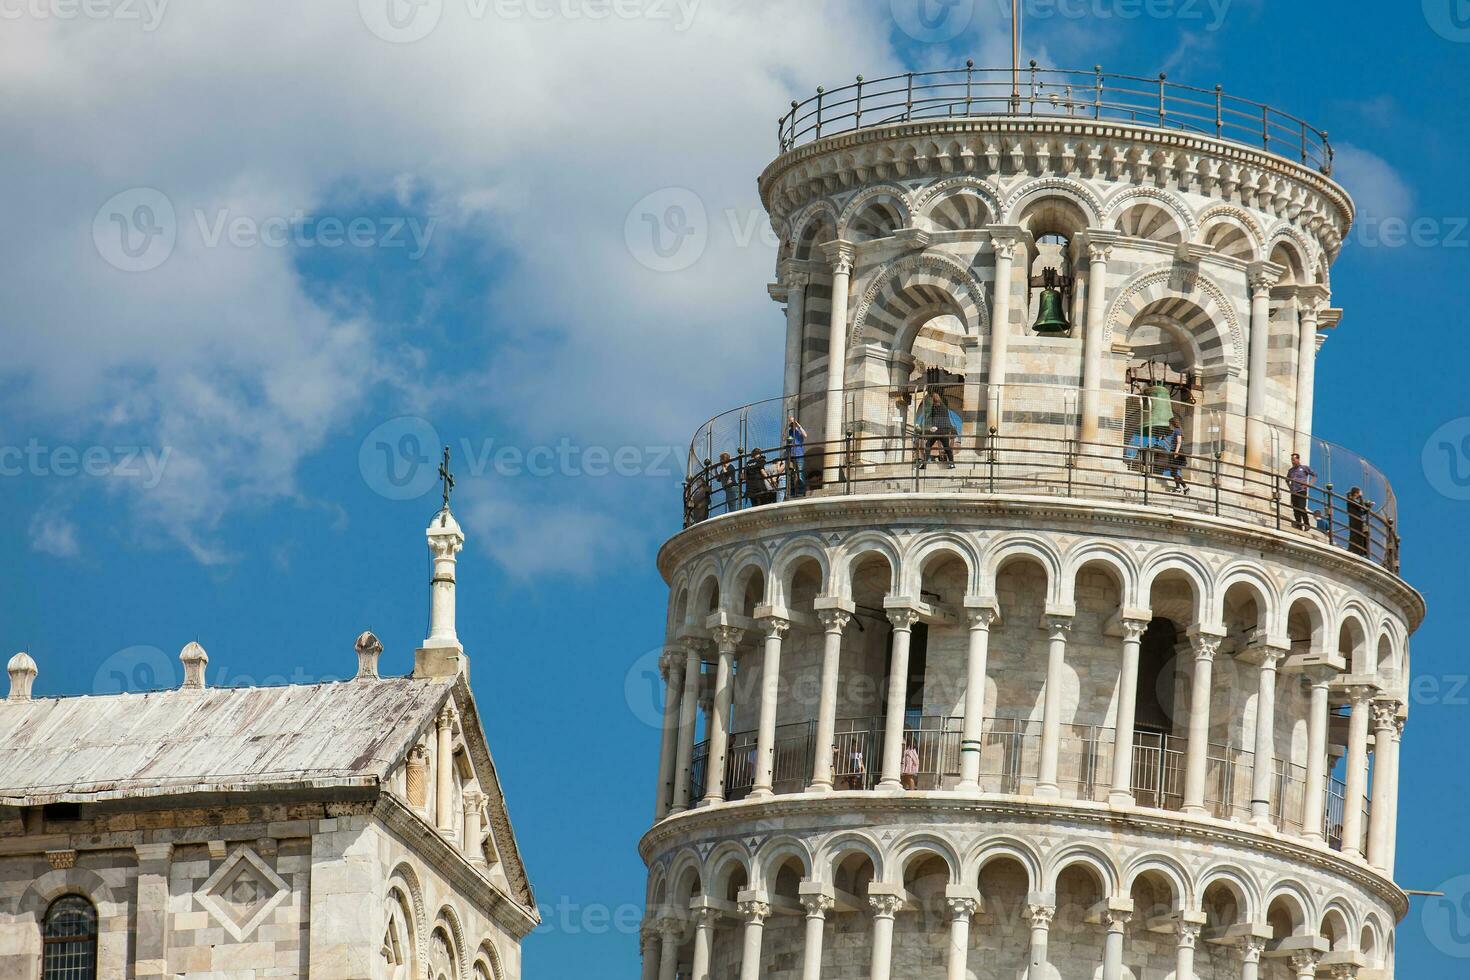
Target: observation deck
<point>743,459</point>
<point>972,92</point>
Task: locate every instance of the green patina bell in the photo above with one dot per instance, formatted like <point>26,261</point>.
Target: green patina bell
<point>1051,318</point>
<point>1160,407</point>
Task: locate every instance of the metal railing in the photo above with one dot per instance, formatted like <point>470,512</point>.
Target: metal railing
<point>1010,764</point>
<point>1055,467</point>
<point>969,92</point>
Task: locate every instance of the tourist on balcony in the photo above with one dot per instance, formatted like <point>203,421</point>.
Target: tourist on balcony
<point>697,506</point>
<point>1299,481</point>
<point>1176,460</point>
<point>937,424</point>
<point>757,489</point>
<point>729,482</point>
<point>908,768</point>
<point>795,458</point>
<point>1358,508</point>
<point>857,769</point>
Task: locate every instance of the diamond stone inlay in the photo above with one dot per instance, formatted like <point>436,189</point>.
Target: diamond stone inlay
<point>242,892</point>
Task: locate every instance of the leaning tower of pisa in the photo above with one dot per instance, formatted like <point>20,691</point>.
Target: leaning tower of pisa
<point>1002,643</point>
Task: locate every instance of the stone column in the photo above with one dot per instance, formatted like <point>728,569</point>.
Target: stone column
<point>1265,751</point>
<point>903,619</point>
<point>705,917</point>
<point>150,944</point>
<point>1039,916</point>
<point>1304,965</point>
<point>1314,808</point>
<point>1310,300</point>
<point>981,617</point>
<point>775,626</point>
<point>726,640</point>
<point>1123,737</point>
<point>473,834</point>
<point>668,963</point>
<point>1006,243</point>
<point>649,945</point>
<point>1116,923</point>
<point>444,773</point>
<point>885,908</point>
<point>1385,765</point>
<point>792,291</point>
<point>1197,752</point>
<point>1188,936</point>
<point>817,907</point>
<point>1262,276</point>
<point>1047,786</point>
<point>961,910</point>
<point>671,668</point>
<point>840,254</point>
<point>834,615</point>
<point>1361,700</point>
<point>1099,249</point>
<point>688,716</point>
<point>1393,799</point>
<point>755,911</point>
<point>1251,958</point>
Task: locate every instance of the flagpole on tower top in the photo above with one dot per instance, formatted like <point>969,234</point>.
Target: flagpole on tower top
<point>1015,55</point>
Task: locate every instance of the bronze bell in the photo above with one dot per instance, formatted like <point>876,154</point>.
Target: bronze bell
<point>1051,319</point>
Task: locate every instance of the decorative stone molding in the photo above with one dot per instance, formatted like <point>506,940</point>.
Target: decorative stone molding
<point>61,860</point>
<point>242,892</point>
<point>938,269</point>
<point>885,906</point>
<point>1158,284</point>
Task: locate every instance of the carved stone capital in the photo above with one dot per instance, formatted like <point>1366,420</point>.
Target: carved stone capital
<point>1057,627</point>
<point>727,638</point>
<point>1099,252</point>
<point>1305,962</point>
<point>903,619</point>
<point>706,916</point>
<point>774,627</point>
<point>1188,934</point>
<point>963,908</point>
<point>834,620</point>
<point>1205,646</point>
<point>1115,919</point>
<point>1385,715</point>
<point>1040,916</point>
<point>981,618</point>
<point>885,906</point>
<point>1253,948</point>
<point>817,906</point>
<point>840,254</point>
<point>1133,629</point>
<point>754,910</point>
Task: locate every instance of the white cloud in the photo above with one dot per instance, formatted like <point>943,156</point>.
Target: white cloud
<point>536,134</point>
<point>54,534</point>
<point>1377,188</point>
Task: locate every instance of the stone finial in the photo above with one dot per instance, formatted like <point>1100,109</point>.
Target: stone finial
<point>369,649</point>
<point>441,654</point>
<point>194,660</point>
<point>22,676</point>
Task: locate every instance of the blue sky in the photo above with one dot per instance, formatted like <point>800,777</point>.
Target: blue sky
<point>344,238</point>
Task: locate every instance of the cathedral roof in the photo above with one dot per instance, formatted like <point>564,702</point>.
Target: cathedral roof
<point>215,740</point>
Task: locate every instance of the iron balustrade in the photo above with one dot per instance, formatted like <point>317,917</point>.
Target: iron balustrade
<point>970,92</point>
<point>1128,466</point>
<point>1010,764</point>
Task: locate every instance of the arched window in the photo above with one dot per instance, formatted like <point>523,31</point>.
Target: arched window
<point>69,940</point>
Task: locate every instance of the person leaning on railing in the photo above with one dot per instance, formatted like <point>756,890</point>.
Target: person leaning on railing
<point>1299,482</point>
<point>938,428</point>
<point>729,479</point>
<point>795,458</point>
<point>1358,508</point>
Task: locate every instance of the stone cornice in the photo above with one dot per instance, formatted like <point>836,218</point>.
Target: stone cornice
<point>731,820</point>
<point>448,861</point>
<point>841,148</point>
<point>1093,516</point>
